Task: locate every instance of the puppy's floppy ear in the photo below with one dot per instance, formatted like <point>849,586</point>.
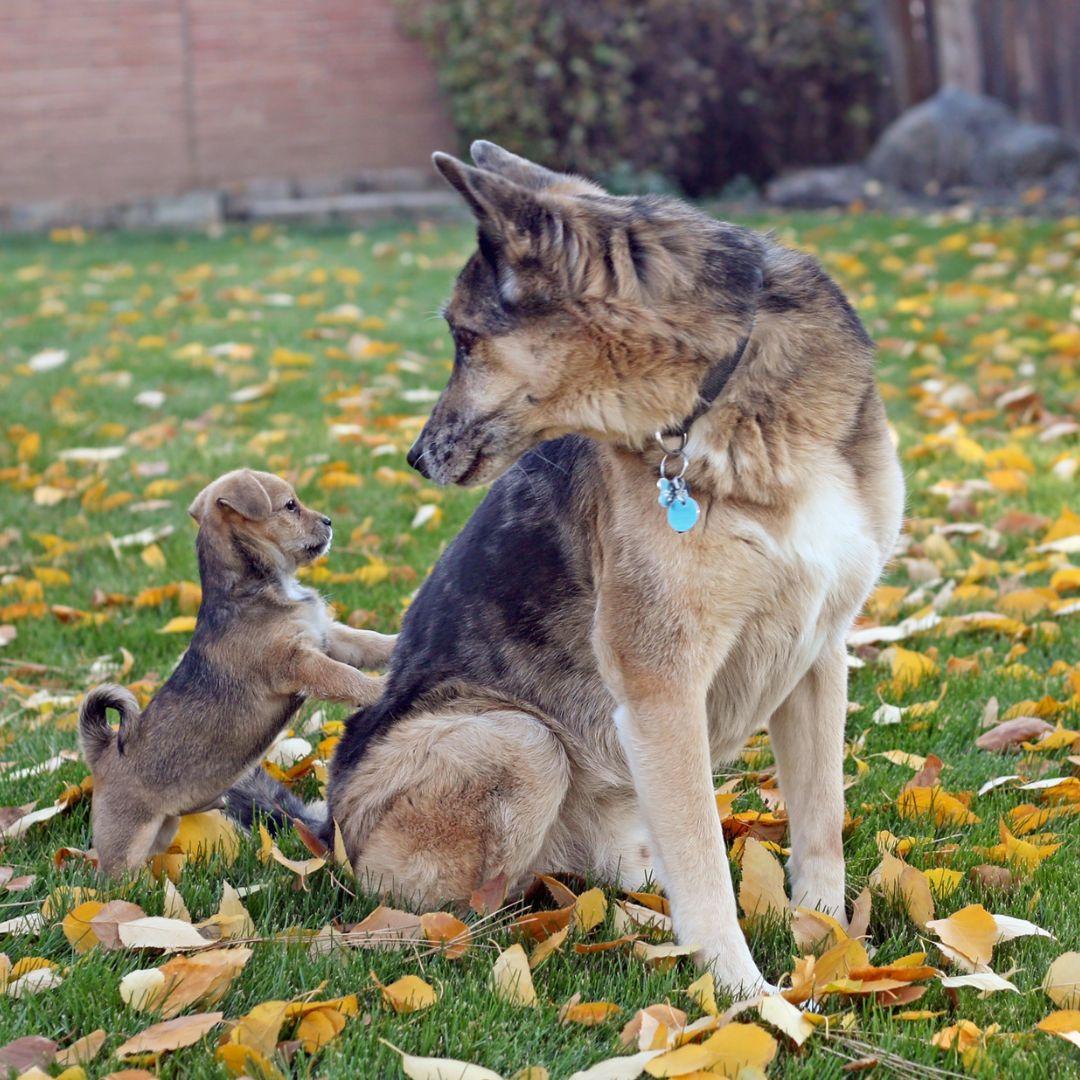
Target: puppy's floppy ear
<point>241,492</point>
<point>198,506</point>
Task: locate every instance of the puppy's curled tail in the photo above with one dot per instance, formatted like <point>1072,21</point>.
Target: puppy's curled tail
<point>258,791</point>
<point>95,735</point>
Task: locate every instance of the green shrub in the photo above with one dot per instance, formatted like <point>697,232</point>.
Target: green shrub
<point>698,92</point>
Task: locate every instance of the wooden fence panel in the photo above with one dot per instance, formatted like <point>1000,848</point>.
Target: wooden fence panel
<point>1023,52</point>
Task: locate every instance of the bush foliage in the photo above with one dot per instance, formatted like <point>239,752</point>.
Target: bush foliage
<point>695,91</point>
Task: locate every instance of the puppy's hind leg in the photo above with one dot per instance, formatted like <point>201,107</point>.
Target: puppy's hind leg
<point>807,735</point>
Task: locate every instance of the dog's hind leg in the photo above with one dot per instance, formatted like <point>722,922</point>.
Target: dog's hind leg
<point>807,735</point>
<point>448,800</point>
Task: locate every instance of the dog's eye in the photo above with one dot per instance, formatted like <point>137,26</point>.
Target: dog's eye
<point>292,505</point>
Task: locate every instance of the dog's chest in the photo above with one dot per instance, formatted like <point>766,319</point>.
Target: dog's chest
<point>309,615</point>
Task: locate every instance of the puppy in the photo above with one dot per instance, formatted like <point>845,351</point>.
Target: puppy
<point>262,645</point>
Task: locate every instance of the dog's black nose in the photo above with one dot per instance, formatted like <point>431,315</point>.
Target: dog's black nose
<point>327,522</point>
<point>415,457</point>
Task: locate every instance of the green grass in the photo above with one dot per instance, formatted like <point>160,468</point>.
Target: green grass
<point>129,309</point>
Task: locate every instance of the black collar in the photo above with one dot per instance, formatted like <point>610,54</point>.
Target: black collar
<point>716,378</point>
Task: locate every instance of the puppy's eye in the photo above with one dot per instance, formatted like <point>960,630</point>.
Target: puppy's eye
<point>292,505</point>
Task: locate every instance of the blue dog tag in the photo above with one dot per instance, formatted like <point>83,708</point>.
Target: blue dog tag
<point>682,514</point>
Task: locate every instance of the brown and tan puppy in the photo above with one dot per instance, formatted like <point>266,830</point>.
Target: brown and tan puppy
<point>262,645</point>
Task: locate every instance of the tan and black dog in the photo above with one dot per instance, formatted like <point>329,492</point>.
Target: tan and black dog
<point>574,668</point>
<point>262,644</point>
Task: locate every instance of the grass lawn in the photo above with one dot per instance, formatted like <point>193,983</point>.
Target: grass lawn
<point>317,355</point>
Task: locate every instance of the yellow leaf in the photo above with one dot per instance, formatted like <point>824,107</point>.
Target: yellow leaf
<point>511,978</point>
<point>731,1049</point>
<point>408,994</point>
<point>318,1027</point>
<point>935,803</point>
<point>1062,982</point>
<point>909,668</point>
<point>910,883</point>
<point>1068,524</point>
<point>590,910</point>
<point>943,882</point>
<point>241,1060</point>
<point>1065,1022</point>
<point>154,557</point>
<point>209,833</point>
<point>180,624</point>
<point>1008,481</point>
<point>550,945</point>
<point>1024,852</point>
<point>447,931</point>
<point>77,928</point>
<point>259,1028</point>
<point>971,931</point>
<point>702,992</point>
<point>761,890</point>
<point>588,1013</point>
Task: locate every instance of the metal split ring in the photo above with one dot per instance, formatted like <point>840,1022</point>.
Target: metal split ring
<point>678,452</point>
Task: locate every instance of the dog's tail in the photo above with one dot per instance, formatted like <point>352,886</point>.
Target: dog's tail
<point>95,735</point>
<point>259,792</point>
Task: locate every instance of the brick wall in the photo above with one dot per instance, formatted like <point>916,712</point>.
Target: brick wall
<point>102,101</point>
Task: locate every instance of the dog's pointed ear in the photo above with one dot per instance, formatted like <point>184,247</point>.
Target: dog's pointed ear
<point>242,493</point>
<point>528,174</point>
<point>517,169</point>
<point>495,201</point>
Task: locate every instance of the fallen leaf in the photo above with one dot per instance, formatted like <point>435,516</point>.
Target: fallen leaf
<point>1065,1023</point>
<point>1009,734</point>
<point>170,1035</point>
<point>427,1068</point>
<point>258,1028</point>
<point>761,890</point>
<point>588,1013</point>
<point>77,928</point>
<point>987,981</point>
<point>512,979</point>
<point>408,994</point>
<point>590,910</point>
<point>1062,982</point>
<point>446,931</point>
<point>82,1051</point>
<point>782,1015</point>
<point>617,1068</point>
<point>731,1049</point>
<point>971,931</point>
<point>157,932</point>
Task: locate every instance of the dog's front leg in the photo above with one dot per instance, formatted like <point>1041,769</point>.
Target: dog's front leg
<point>314,675</point>
<point>807,736</point>
<point>663,728</point>
<point>359,648</point>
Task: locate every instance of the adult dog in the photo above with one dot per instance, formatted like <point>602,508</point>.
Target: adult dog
<point>574,668</point>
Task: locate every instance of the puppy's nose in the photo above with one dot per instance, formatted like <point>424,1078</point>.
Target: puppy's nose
<point>327,522</point>
<point>415,457</point>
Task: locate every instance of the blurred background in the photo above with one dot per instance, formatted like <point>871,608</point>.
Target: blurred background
<point>184,112</point>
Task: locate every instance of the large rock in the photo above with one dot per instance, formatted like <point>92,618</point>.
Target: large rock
<point>821,188</point>
<point>960,139</point>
